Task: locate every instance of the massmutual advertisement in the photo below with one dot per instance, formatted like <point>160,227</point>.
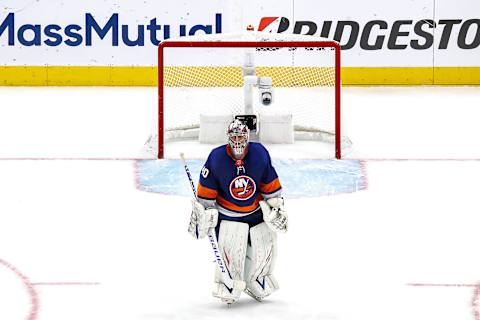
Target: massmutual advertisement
<point>53,42</point>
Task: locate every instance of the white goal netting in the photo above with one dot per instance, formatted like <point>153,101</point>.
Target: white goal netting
<point>216,75</point>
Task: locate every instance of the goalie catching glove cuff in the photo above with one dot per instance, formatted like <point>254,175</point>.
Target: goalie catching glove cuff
<point>201,220</point>
<point>274,214</point>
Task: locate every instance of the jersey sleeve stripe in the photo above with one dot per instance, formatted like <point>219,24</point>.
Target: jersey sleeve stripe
<point>270,187</point>
<point>233,207</point>
<point>206,193</point>
<point>207,203</point>
<point>277,193</point>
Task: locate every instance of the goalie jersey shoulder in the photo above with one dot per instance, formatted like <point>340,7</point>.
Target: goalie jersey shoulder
<point>238,186</point>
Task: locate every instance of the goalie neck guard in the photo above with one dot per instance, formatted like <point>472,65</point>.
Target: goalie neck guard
<point>238,136</point>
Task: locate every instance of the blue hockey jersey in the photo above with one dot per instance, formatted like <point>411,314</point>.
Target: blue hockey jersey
<point>237,186</point>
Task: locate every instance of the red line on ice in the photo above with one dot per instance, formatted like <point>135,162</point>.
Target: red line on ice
<point>66,283</point>
<point>475,302</point>
<point>32,315</point>
<point>440,285</point>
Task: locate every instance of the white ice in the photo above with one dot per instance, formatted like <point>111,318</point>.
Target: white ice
<point>383,123</point>
<point>81,239</point>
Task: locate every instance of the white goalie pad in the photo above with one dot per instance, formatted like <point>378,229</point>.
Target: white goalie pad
<point>213,128</point>
<point>260,261</point>
<point>232,242</point>
<point>276,128</point>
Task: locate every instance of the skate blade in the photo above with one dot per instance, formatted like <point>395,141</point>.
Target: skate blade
<point>259,299</point>
<point>229,302</point>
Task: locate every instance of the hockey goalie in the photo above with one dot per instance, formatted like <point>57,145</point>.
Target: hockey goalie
<point>239,198</point>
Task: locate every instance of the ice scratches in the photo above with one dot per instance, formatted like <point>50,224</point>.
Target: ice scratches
<point>299,178</point>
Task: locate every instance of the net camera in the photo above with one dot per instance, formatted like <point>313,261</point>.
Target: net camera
<point>265,90</point>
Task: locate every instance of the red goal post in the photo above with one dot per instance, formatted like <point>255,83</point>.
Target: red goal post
<point>267,45</point>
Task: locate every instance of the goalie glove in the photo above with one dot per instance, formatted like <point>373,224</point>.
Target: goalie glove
<point>274,214</point>
<point>201,220</point>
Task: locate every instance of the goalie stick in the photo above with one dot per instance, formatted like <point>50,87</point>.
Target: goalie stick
<point>227,280</point>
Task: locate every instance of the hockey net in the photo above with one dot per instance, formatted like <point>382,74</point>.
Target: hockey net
<point>205,76</point>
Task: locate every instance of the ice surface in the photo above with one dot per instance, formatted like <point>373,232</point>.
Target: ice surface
<point>67,225</point>
<point>115,123</point>
<point>93,246</point>
<point>299,178</point>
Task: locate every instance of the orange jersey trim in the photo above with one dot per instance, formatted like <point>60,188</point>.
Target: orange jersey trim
<point>270,187</point>
<point>233,207</point>
<point>206,193</point>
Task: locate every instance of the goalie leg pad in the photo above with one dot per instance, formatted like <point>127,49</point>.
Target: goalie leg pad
<point>232,242</point>
<point>260,262</point>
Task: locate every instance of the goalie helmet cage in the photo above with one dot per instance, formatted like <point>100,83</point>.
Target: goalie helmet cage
<point>255,45</point>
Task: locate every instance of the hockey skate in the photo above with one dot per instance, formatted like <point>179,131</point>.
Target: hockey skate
<point>251,294</point>
<point>260,290</point>
<point>227,296</point>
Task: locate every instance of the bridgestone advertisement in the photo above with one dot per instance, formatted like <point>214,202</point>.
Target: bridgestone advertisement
<point>372,33</point>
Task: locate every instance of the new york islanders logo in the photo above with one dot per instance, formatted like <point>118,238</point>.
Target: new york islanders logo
<point>242,188</point>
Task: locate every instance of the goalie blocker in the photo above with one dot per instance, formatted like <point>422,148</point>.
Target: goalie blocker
<point>233,182</point>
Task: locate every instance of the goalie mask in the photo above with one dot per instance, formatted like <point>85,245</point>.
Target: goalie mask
<point>238,135</point>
